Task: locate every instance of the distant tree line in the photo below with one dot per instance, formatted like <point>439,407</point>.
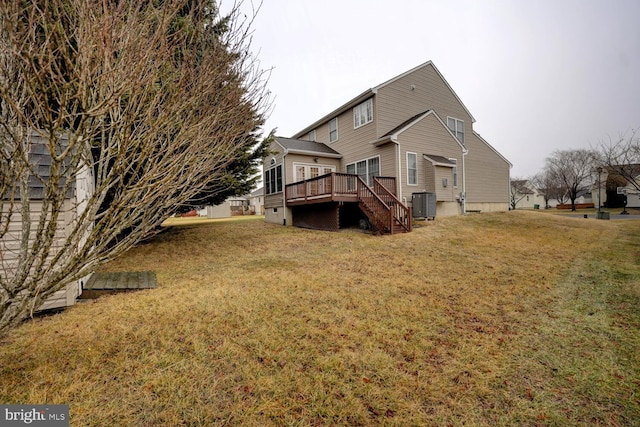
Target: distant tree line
<point>569,173</point>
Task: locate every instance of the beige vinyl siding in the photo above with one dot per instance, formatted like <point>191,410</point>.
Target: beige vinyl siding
<point>353,144</point>
<point>487,173</point>
<point>10,242</point>
<point>299,158</point>
<point>10,247</point>
<point>444,194</point>
<point>429,136</point>
<point>274,200</point>
<point>396,101</point>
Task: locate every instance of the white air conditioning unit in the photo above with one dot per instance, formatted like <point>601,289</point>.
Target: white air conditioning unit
<point>445,181</point>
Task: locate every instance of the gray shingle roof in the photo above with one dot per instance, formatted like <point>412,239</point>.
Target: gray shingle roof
<point>300,145</point>
<point>439,159</point>
<point>40,159</point>
<point>404,124</point>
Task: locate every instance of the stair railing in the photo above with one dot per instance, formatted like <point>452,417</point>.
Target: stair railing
<point>400,213</point>
<point>376,209</point>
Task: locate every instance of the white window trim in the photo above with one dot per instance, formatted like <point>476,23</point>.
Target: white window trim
<point>310,165</point>
<point>331,121</point>
<point>455,131</point>
<point>268,171</point>
<point>312,136</point>
<point>364,106</point>
<point>454,172</point>
<point>366,161</point>
<point>416,156</point>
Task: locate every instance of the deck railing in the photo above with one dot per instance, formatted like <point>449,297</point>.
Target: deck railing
<point>380,202</point>
<point>331,184</point>
<point>400,213</point>
<point>387,182</point>
<point>377,210</point>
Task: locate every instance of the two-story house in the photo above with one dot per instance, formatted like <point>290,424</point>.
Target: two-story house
<point>370,157</point>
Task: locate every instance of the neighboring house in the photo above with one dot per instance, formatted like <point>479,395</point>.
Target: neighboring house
<point>250,204</point>
<point>633,196</point>
<point>617,186</point>
<point>256,201</point>
<point>74,204</point>
<point>524,195</point>
<point>411,134</point>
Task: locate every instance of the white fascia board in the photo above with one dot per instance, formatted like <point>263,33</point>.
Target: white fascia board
<point>335,113</point>
<point>464,149</point>
<point>435,163</point>
<point>493,149</point>
<point>313,153</point>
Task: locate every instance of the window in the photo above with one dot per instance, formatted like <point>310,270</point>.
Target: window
<point>457,128</point>
<point>308,171</point>
<point>455,172</point>
<point>363,113</point>
<point>312,135</point>
<point>365,169</point>
<point>333,130</point>
<point>412,169</point>
<point>273,180</point>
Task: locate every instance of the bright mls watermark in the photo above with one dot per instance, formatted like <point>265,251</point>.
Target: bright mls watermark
<point>37,415</point>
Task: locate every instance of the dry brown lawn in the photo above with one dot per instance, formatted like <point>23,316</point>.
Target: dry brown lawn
<point>493,319</point>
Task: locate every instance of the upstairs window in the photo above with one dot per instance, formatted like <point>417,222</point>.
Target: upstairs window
<point>312,136</point>
<point>363,113</point>
<point>365,169</point>
<point>457,128</point>
<point>333,130</point>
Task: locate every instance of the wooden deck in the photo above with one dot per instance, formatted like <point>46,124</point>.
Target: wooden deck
<point>333,187</point>
<point>379,204</point>
<point>108,283</point>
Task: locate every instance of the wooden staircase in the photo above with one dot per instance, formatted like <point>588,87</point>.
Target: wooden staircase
<point>386,213</point>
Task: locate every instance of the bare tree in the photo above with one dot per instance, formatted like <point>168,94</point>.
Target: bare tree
<point>548,186</point>
<point>518,191</point>
<point>153,99</point>
<point>621,158</point>
<point>574,170</point>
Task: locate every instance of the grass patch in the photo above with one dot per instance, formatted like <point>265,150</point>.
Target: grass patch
<point>491,319</point>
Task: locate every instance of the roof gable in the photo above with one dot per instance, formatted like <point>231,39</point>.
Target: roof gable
<point>393,134</point>
<point>370,92</point>
<point>481,139</point>
<point>418,68</point>
<point>301,146</point>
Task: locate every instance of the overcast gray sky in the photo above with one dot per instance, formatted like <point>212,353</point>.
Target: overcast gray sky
<point>537,75</point>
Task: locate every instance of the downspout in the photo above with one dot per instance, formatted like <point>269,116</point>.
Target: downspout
<point>284,187</point>
<point>464,182</point>
<point>399,175</point>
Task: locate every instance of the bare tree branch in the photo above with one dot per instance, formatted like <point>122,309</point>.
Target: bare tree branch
<point>621,158</point>
<point>148,101</point>
<point>573,170</point>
